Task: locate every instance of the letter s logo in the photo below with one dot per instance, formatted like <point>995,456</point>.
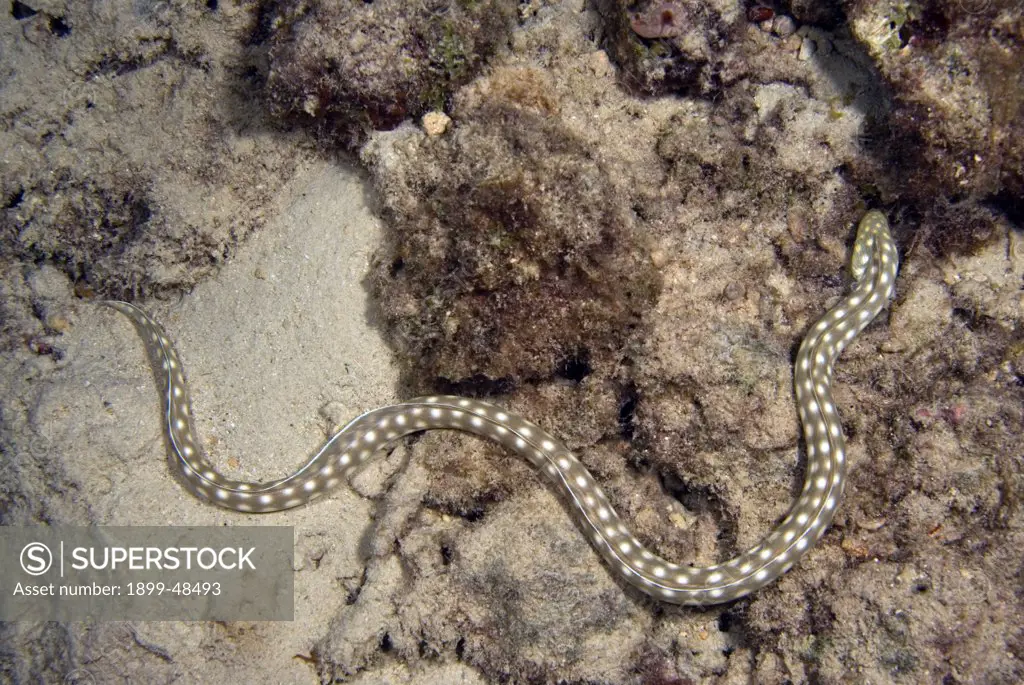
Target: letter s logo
<point>36,558</point>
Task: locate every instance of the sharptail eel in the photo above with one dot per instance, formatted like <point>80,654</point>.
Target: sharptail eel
<point>873,264</point>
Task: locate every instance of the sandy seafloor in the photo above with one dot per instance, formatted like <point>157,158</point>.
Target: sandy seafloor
<point>281,345</point>
<point>267,347</point>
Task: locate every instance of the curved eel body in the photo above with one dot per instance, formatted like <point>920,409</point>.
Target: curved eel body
<point>873,264</point>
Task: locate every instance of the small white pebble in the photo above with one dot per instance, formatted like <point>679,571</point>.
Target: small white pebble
<point>436,123</point>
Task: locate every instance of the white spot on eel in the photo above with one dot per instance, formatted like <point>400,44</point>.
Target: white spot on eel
<point>873,264</point>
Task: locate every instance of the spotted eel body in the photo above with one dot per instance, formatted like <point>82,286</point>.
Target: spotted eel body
<point>873,264</point>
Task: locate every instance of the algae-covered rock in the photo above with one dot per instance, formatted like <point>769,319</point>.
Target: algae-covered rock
<point>347,68</point>
<point>956,70</point>
<point>512,254</point>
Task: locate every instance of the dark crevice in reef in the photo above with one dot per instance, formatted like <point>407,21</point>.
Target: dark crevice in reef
<point>1009,205</point>
<point>471,511</point>
<point>146,54</point>
<point>353,595</point>
<point>476,386</point>
<point>20,10</point>
<point>629,398</point>
<point>58,26</point>
<point>575,366</point>
<point>266,18</point>
<point>15,199</point>
<point>700,498</point>
<point>972,320</point>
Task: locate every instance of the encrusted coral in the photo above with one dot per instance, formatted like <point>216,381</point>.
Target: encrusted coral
<point>662,20</point>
